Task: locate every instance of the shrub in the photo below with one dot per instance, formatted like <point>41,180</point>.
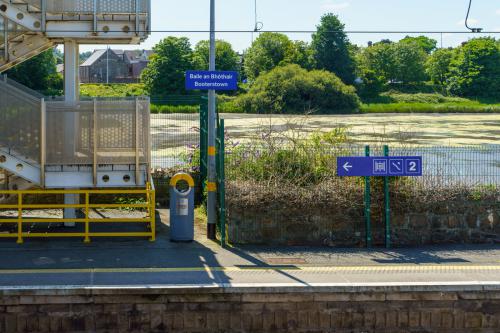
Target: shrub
<point>304,162</point>
<point>165,109</point>
<point>397,97</point>
<point>292,89</point>
<point>112,90</point>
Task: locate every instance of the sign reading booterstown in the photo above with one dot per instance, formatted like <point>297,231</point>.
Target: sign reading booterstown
<point>208,80</point>
<point>393,166</point>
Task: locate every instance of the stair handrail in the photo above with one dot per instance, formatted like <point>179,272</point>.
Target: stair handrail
<point>30,94</point>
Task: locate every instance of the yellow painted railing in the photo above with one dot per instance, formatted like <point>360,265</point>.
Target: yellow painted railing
<point>21,221</point>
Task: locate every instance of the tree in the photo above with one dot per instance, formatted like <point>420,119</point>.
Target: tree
<point>302,55</point>
<point>165,74</point>
<point>379,60</point>
<point>438,65</point>
<point>38,73</point>
<point>402,62</point>
<point>59,56</point>
<point>268,51</point>
<point>475,70</point>
<point>226,58</point>
<point>292,89</point>
<point>84,56</point>
<point>427,44</point>
<point>330,46</point>
<point>409,59</point>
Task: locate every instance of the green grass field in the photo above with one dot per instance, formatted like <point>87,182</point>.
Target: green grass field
<point>389,102</point>
<point>112,90</point>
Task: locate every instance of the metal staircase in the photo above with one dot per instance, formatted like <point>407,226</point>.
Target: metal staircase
<point>71,143</point>
<point>29,27</point>
<point>106,144</point>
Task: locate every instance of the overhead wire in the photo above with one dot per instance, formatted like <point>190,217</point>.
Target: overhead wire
<point>278,31</point>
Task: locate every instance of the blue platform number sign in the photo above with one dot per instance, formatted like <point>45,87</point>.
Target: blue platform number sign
<point>209,80</point>
<point>393,166</point>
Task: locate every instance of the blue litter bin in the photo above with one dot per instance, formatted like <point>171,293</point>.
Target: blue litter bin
<point>182,209</point>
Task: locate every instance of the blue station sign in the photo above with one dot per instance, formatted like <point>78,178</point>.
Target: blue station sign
<point>208,80</point>
<point>393,166</point>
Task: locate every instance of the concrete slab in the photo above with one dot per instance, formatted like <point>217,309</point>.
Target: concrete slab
<point>140,263</point>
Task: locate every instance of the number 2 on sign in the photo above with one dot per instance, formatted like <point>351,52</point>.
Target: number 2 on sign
<point>413,166</point>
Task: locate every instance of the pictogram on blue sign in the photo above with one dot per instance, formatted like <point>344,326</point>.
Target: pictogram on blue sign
<point>393,166</point>
<point>207,80</point>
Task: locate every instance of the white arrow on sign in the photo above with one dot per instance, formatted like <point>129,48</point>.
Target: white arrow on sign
<point>347,166</point>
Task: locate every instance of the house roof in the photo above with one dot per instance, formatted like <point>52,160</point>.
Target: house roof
<point>93,58</point>
<point>135,56</point>
<point>129,56</point>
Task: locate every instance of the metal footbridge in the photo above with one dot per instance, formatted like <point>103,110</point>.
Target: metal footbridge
<point>93,143</point>
<point>28,27</point>
<point>70,142</point>
<point>70,145</point>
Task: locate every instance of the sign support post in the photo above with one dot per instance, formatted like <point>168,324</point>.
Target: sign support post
<point>387,206</point>
<point>379,166</point>
<point>368,204</point>
<point>212,177</point>
<point>211,81</point>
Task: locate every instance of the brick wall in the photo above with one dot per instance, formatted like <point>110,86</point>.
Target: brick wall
<point>353,310</point>
<point>471,222</point>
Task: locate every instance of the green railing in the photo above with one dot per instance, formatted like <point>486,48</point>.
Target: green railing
<point>220,165</point>
<point>221,179</point>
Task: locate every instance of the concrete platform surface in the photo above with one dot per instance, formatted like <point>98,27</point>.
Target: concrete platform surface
<point>57,263</point>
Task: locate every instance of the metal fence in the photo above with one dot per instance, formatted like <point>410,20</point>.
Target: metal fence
<point>280,193</point>
<point>442,166</point>
<point>175,136</point>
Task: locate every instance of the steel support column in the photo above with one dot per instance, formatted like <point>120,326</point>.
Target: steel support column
<point>71,94</point>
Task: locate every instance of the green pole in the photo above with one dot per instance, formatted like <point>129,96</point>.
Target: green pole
<point>222,183</point>
<point>368,203</point>
<point>387,206</point>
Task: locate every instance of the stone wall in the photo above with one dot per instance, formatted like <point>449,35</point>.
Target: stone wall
<point>467,222</point>
<point>237,310</point>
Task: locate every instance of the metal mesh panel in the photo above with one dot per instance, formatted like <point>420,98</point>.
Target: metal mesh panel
<point>70,132</point>
<point>457,166</point>
<point>116,132</point>
<point>103,6</point>
<point>19,122</point>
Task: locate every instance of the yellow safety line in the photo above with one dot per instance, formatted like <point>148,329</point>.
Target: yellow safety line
<point>346,269</point>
